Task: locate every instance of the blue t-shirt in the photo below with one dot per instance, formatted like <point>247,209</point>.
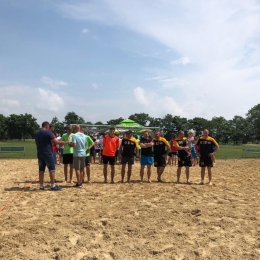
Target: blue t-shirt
<point>43,141</point>
<point>80,140</point>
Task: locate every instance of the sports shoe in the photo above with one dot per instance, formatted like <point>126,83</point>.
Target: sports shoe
<point>78,185</point>
<point>42,188</point>
<point>56,188</point>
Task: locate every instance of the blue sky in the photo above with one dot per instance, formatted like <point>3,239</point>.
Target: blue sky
<point>108,59</point>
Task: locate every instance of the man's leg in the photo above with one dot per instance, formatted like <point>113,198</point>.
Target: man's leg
<point>149,167</point>
<point>105,173</point>
<point>71,173</point>
<point>123,172</point>
<point>160,171</point>
<point>142,173</point>
<point>88,172</point>
<point>65,167</point>
<point>187,170</point>
<point>112,173</point>
<point>52,178</point>
<point>178,174</point>
<point>41,178</point>
<point>210,175</point>
<point>202,175</point>
<point>129,172</point>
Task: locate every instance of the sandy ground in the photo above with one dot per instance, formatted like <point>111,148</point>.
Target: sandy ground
<point>132,221</point>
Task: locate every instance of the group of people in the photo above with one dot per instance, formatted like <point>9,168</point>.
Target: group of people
<point>153,151</point>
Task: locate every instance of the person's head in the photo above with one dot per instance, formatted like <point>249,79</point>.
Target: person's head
<point>46,125</point>
<point>69,129</point>
<point>82,129</point>
<point>173,136</point>
<point>146,134</point>
<point>76,128</point>
<point>180,134</point>
<point>157,134</point>
<point>206,133</point>
<point>112,131</point>
<point>191,133</point>
<point>129,134</point>
<point>52,127</point>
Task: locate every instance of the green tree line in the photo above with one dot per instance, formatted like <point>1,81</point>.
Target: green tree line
<point>237,130</point>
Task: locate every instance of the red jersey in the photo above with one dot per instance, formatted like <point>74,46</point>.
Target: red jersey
<point>173,147</point>
<point>110,145</point>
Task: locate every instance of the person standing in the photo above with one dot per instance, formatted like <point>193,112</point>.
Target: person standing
<point>206,148</point>
<point>89,145</point>
<point>44,140</point>
<point>79,154</point>
<point>128,149</point>
<point>184,159</point>
<point>110,145</point>
<point>54,146</point>
<point>68,154</point>
<point>146,144</point>
<point>174,152</point>
<point>161,149</point>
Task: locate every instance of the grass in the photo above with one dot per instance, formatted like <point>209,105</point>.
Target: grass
<point>225,151</point>
<point>30,149</point>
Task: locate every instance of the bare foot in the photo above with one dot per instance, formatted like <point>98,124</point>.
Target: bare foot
<point>71,181</point>
<point>149,181</point>
<point>201,183</point>
<point>210,183</point>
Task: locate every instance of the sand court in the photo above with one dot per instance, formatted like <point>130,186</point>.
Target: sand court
<point>132,221</point>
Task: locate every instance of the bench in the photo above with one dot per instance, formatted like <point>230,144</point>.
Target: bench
<point>12,149</point>
<point>248,151</point>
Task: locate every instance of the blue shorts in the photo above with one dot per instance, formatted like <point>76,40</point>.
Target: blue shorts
<point>46,160</point>
<point>146,160</point>
<point>193,153</point>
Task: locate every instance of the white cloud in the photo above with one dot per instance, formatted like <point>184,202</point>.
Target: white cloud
<point>10,102</point>
<point>84,31</point>
<point>49,100</point>
<point>157,105</point>
<point>184,61</point>
<point>54,83</point>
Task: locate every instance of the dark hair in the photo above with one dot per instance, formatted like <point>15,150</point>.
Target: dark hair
<point>51,125</point>
<point>45,123</point>
<point>112,128</point>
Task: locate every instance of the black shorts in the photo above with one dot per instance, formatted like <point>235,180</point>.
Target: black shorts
<point>184,161</point>
<point>87,161</point>
<point>171,154</point>
<point>97,150</point>
<point>159,161</point>
<point>91,152</point>
<point>67,158</point>
<point>205,161</point>
<point>109,159</point>
<point>129,160</point>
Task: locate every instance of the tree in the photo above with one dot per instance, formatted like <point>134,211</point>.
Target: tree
<point>253,119</point>
<point>3,134</point>
<point>140,118</point>
<point>239,129</point>
<point>115,122</point>
<point>59,127</point>
<point>198,124</point>
<point>73,118</point>
<point>21,126</point>
<point>99,123</point>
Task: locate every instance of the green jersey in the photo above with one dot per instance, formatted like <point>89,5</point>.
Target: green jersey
<point>89,142</point>
<point>67,148</point>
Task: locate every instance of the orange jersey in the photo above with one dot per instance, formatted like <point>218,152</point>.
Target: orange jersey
<point>110,145</point>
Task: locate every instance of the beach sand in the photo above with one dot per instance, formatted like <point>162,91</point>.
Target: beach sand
<point>131,221</point>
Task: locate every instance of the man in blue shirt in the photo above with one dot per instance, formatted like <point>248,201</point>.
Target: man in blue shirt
<point>79,154</point>
<point>44,140</point>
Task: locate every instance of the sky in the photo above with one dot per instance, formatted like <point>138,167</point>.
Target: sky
<point>106,59</point>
